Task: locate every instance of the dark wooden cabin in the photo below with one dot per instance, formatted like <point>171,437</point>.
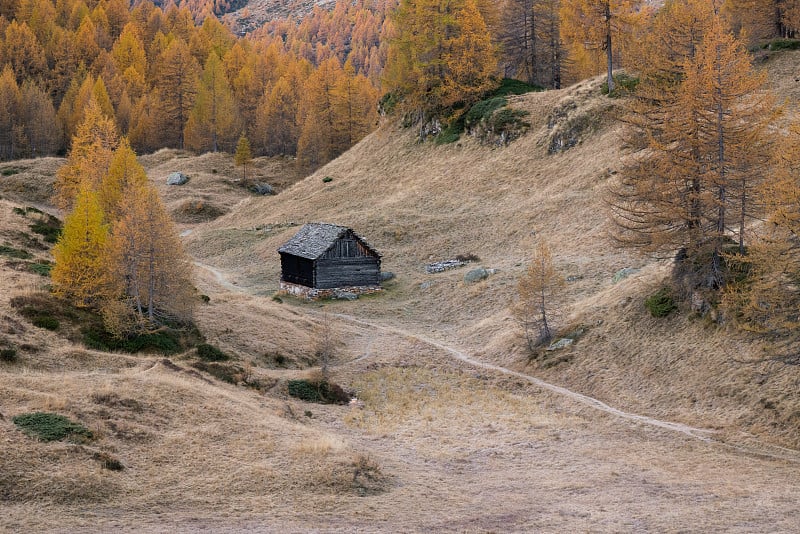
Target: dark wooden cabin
<point>326,256</point>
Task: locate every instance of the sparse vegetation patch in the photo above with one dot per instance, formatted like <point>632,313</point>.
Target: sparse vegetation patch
<point>16,253</point>
<point>321,392</point>
<point>51,427</point>
<point>210,353</point>
<point>661,303</point>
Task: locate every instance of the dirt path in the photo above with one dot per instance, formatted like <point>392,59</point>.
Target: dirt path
<point>701,434</point>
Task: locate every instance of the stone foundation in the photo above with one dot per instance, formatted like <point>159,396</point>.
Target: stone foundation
<point>310,293</point>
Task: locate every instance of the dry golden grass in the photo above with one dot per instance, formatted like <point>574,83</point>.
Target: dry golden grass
<point>438,444</point>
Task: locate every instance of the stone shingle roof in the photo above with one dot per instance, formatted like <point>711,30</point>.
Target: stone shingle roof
<point>314,239</point>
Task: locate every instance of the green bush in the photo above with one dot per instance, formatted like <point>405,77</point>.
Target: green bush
<point>509,86</point>
<point>323,392</point>
<point>661,303</point>
<point>50,426</point>
<point>8,355</point>
<point>166,341</point>
<point>783,44</point>
<point>47,322</point>
<point>327,180</point>
<point>50,228</point>
<point>42,269</point>
<point>15,253</point>
<point>484,109</point>
<point>624,84</point>
<point>210,353</point>
<point>10,171</point>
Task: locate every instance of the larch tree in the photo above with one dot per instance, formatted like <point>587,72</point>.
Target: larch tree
<point>355,103</point>
<point>78,272</point>
<point>177,81</point>
<point>243,156</point>
<point>431,39</point>
<point>214,120</point>
<point>276,118</point>
<point>693,188</point>
<point>43,134</point>
<point>89,158</point>
<point>539,296</point>
<point>531,41</point>
<point>124,172</point>
<point>10,99</point>
<point>148,268</point>
<point>599,25</point>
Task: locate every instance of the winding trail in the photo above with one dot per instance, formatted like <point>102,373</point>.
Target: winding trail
<point>701,434</point>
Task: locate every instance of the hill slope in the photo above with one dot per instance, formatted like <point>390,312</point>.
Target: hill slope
<point>422,203</point>
<point>446,439</point>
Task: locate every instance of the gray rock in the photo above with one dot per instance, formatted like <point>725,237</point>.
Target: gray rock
<point>344,295</point>
<point>177,178</point>
<point>476,275</point>
<point>263,189</point>
<point>386,276</point>
<point>442,266</point>
<point>426,285</point>
<point>561,344</point>
<point>622,274</point>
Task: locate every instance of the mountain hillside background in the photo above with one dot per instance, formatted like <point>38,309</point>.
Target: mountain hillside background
<point>455,431</point>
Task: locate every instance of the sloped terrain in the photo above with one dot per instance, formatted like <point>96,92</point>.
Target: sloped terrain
<point>684,427</point>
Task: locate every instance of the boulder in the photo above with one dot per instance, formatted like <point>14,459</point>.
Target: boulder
<point>476,275</point>
<point>177,178</point>
<point>622,274</point>
<point>386,276</point>
<point>341,294</point>
<point>561,344</point>
<point>263,189</point>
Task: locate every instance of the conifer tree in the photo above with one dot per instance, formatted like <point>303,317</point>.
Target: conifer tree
<point>243,156</point>
<point>177,81</point>
<point>433,38</point>
<point>214,120</point>
<point>78,273</point>
<point>694,187</point>
<point>539,291</point>
<point>124,172</point>
<point>150,273</point>
<point>89,157</point>
<point>599,25</point>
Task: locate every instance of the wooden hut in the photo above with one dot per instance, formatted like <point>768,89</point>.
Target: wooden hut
<point>322,258</point>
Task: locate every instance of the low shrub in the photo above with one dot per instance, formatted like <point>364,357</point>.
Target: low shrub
<point>624,84</point>
<point>327,180</point>
<point>164,341</point>
<point>41,268</point>
<point>49,227</point>
<point>48,322</point>
<point>661,303</point>
<point>210,353</point>
<point>10,171</point>
<point>783,44</point>
<point>8,355</point>
<point>232,374</point>
<point>51,427</point>
<point>12,252</point>
<point>510,86</point>
<point>483,110</point>
<point>321,392</point>
<point>108,462</point>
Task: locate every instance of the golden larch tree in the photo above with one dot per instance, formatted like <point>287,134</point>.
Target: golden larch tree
<point>539,296</point>
<point>214,120</point>
<point>693,188</point>
<point>78,273</point>
<point>149,270</point>
<point>89,158</point>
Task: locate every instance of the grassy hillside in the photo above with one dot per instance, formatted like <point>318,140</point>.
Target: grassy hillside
<point>451,433</point>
